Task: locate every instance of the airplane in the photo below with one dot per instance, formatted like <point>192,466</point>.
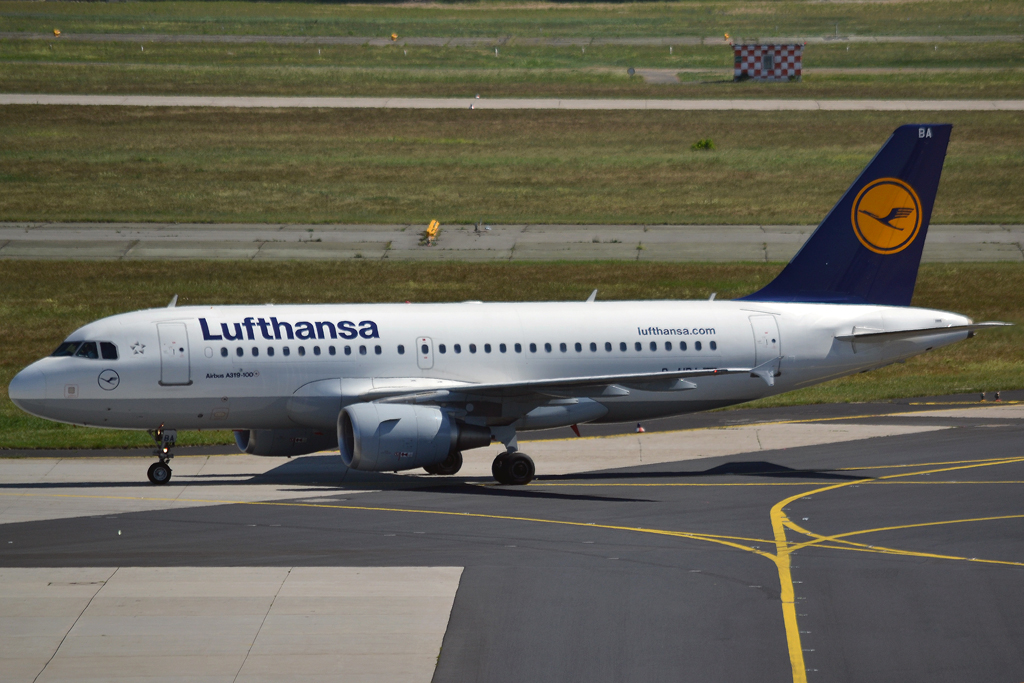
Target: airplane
<point>403,386</point>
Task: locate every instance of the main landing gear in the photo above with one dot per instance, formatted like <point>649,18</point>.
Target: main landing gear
<point>448,466</point>
<point>160,472</point>
<point>513,468</point>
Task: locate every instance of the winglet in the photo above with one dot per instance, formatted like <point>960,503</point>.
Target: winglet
<point>174,302</point>
<point>767,371</point>
<point>592,297</point>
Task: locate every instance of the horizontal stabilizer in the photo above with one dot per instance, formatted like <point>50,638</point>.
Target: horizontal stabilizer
<point>879,337</point>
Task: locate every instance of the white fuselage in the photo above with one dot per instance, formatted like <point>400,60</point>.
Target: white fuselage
<point>172,371</point>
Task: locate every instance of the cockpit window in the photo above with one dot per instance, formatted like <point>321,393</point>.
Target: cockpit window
<point>87,350</point>
<point>108,350</point>
<point>66,349</point>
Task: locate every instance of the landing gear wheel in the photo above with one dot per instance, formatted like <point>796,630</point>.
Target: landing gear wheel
<point>449,466</point>
<point>515,469</point>
<point>159,473</point>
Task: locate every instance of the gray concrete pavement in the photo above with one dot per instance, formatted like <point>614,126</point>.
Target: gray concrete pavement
<point>242,624</point>
<point>764,243</point>
<point>507,103</point>
<point>897,550</point>
<point>441,41</point>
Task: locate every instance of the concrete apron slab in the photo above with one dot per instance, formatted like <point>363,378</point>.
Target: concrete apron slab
<point>53,488</point>
<point>224,623</point>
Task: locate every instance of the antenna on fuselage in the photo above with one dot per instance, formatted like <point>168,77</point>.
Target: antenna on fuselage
<point>713,295</point>
<point>174,302</point>
<point>592,297</point>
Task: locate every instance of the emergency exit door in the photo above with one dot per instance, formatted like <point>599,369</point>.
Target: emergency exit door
<point>425,353</point>
<point>767,343</point>
<point>174,359</point>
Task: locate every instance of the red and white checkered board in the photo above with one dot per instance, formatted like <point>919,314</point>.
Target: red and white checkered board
<point>749,60</point>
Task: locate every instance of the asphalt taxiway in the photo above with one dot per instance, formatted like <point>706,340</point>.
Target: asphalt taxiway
<point>842,544</point>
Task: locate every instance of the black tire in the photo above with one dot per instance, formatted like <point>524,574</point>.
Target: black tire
<point>449,466</point>
<point>519,469</point>
<point>499,468</point>
<point>159,473</point>
<point>431,469</point>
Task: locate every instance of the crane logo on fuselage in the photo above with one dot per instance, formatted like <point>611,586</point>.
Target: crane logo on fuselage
<point>274,329</point>
<point>886,215</point>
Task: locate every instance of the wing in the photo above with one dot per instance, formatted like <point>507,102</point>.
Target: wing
<point>668,380</point>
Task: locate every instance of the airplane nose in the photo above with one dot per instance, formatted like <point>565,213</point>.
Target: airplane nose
<point>27,385</point>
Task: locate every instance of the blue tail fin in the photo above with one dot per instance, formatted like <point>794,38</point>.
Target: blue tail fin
<point>868,248</point>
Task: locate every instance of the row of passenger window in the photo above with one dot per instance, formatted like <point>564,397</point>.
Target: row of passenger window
<point>301,350</point>
<point>564,348</point>
<point>88,349</point>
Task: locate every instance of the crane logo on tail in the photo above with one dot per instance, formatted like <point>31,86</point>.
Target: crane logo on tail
<point>886,215</point>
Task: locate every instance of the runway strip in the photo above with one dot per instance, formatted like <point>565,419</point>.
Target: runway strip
<point>673,243</point>
<point>505,104</point>
<point>443,41</point>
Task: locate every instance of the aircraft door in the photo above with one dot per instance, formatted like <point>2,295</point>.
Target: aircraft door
<point>174,357</point>
<point>767,342</point>
<point>425,353</point>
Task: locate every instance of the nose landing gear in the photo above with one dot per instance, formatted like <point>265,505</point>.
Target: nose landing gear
<point>513,468</point>
<point>160,472</point>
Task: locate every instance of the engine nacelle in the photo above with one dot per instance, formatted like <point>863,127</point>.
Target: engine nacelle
<point>380,437</point>
<point>284,442</point>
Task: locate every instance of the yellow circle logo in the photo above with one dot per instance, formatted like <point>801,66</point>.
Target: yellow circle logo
<point>886,215</point>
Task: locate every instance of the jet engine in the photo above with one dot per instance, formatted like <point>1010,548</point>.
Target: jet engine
<point>284,442</point>
<point>379,437</point>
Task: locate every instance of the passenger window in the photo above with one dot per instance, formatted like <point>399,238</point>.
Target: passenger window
<point>547,347</point>
<point>331,350</point>
<point>654,346</point>
<point>593,347</point>
<point>377,350</point>
<point>286,351</point>
<point>608,346</point>
<point>638,346</point>
<point>224,351</point>
<point>423,349</point>
<point>441,348</point>
<point>66,349</point>
<point>579,347</point>
<point>270,350</point>
<point>502,348</point>
<point>362,350</point>
<point>316,350</point>
<point>457,348</point>
<point>87,350</point>
<point>108,351</point>
<point>519,347</point>
<point>239,352</point>
<point>562,347</point>
<point>622,346</point>
<point>533,348</point>
<point>255,351</point>
<point>682,346</point>
<point>696,346</point>
<point>714,346</point>
<point>472,348</point>
<point>668,346</point>
<point>401,350</point>
<point>348,350</point>
<point>302,350</point>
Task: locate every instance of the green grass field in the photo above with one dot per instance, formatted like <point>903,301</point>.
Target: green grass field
<point>642,19</point>
<point>405,166</point>
<point>952,70</point>
<point>43,302</point>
